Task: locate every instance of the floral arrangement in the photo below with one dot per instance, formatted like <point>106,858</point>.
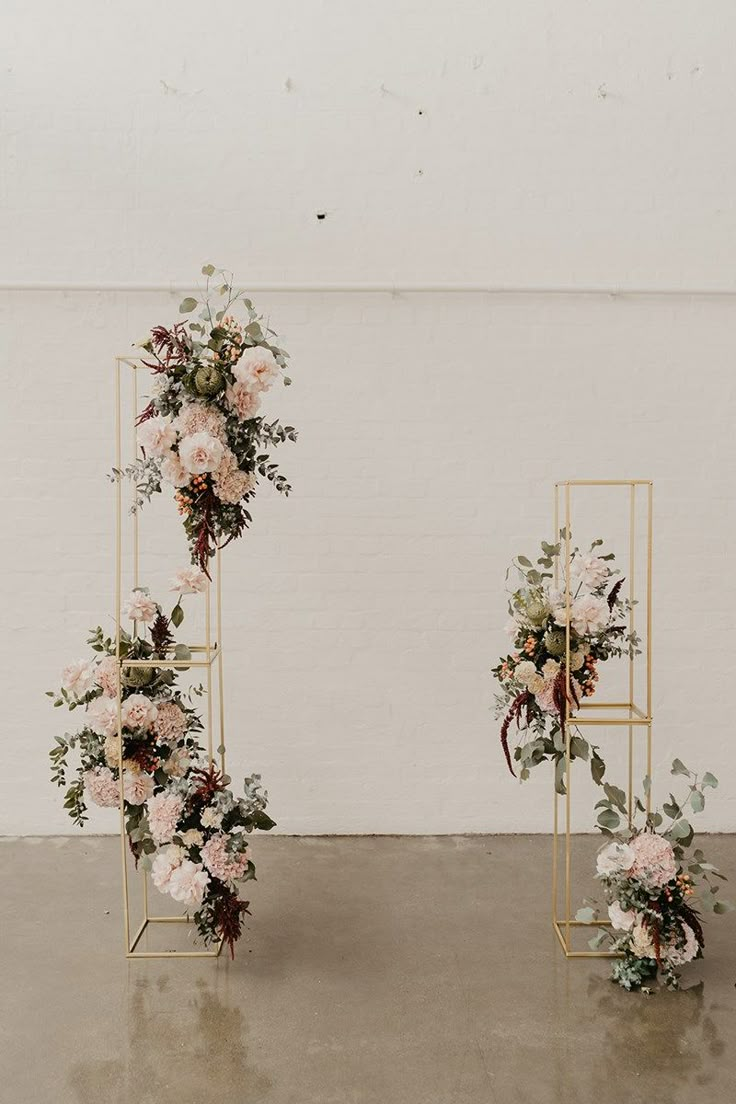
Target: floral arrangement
<point>183,822</point>
<point>652,885</point>
<point>533,680</point>
<point>203,432</point>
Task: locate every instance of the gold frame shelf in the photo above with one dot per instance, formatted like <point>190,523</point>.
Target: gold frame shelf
<point>604,714</point>
<point>206,655</point>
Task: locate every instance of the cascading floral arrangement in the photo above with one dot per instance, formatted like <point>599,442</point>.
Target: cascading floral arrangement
<point>183,822</point>
<point>203,432</point>
<point>652,885</point>
<point>533,680</point>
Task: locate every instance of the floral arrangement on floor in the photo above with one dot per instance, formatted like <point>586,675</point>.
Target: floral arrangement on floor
<point>183,822</point>
<point>533,682</point>
<point>652,886</point>
<point>203,432</point>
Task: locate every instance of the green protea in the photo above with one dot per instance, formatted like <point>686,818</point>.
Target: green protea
<point>208,380</point>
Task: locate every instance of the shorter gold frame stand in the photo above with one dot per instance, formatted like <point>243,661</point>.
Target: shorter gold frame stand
<point>207,656</point>
<point>618,714</point>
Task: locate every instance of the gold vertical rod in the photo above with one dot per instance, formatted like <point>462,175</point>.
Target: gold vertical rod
<point>555,826</point>
<point>118,586</point>
<point>568,887</point>
<point>136,562</point>
<point>219,661</point>
<point>208,653</point>
<point>557,533</point>
<point>632,571</point>
<point>650,490</point>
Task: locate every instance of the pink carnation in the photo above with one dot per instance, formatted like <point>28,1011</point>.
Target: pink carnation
<point>164,811</point>
<point>106,675</point>
<point>187,883</point>
<point>164,864</point>
<point>102,787</point>
<point>170,722</point>
<point>78,678</point>
<point>221,863</point>
<point>654,861</point>
<point>257,369</point>
<point>243,401</point>
<point>137,786</point>
<point>157,436</point>
<point>139,712</point>
<point>102,715</point>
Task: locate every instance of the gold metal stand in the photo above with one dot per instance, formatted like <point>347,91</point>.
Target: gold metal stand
<point>207,656</point>
<point>625,714</point>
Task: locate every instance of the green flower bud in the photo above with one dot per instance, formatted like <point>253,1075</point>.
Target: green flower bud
<point>136,676</point>
<point>208,380</point>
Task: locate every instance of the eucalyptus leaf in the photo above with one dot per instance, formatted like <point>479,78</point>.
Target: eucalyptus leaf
<point>697,800</point>
<point>187,305</point>
<point>585,915</point>
<point>678,767</point>
<point>709,780</point>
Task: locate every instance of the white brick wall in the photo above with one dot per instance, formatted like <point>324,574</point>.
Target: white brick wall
<point>363,613</point>
<point>532,143</point>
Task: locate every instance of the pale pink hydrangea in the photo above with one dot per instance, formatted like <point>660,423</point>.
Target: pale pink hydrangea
<point>187,883</point>
<point>221,863</point>
<point>164,811</point>
<point>106,676</point>
<point>257,369</point>
<point>244,402</point>
<point>78,678</point>
<point>188,580</point>
<point>157,436</point>
<point>590,570</point>
<point>102,715</point>
<point>137,786</point>
<point>139,607</point>
<point>545,696</point>
<point>230,482</point>
<point>588,615</point>
<point>170,722</point>
<point>164,864</point>
<point>174,472</point>
<point>101,787</point>
<point>201,452</point>
<point>139,712</point>
<point>654,861</point>
<point>199,418</point>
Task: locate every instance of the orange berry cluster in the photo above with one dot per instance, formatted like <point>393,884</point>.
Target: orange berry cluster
<point>589,684</point>
<point>530,645</point>
<point>683,884</point>
<point>505,671</point>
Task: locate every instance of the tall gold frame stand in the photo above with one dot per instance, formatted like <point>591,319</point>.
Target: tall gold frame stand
<point>207,656</point>
<point>627,714</point>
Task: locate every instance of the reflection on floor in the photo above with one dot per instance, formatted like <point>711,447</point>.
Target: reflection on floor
<point>373,971</point>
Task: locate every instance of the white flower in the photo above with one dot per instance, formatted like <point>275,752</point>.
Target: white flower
<point>550,669</point>
<point>535,685</point>
<point>524,671</point>
<point>102,715</point>
<point>588,615</point>
<point>642,944</point>
<point>257,369</point>
<point>173,471</point>
<point>192,838</point>
<point>201,453</point>
<point>591,571</point>
<point>106,675</point>
<point>78,678</point>
<point>157,436</point>
<point>137,786</point>
<point>164,864</point>
<point>139,606</point>
<point>188,882</point>
<point>211,818</point>
<point>614,857</point>
<point>139,712</point>
<point>188,580</point>
<point>577,659</point>
<point>511,628</point>
<point>622,919</point>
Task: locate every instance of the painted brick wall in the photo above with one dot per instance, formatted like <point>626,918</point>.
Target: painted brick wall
<point>363,613</point>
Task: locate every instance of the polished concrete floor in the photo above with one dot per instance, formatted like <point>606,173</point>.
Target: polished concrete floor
<point>373,971</point>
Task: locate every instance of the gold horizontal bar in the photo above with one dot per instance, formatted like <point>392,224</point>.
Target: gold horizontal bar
<point>583,923</point>
<point>556,924</point>
<point>604,483</point>
<point>577,720</point>
<point>606,705</point>
<point>169,919</point>
<point>174,954</point>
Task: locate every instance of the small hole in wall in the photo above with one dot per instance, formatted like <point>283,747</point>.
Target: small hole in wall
<point>321,216</point>
<point>420,111</point>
